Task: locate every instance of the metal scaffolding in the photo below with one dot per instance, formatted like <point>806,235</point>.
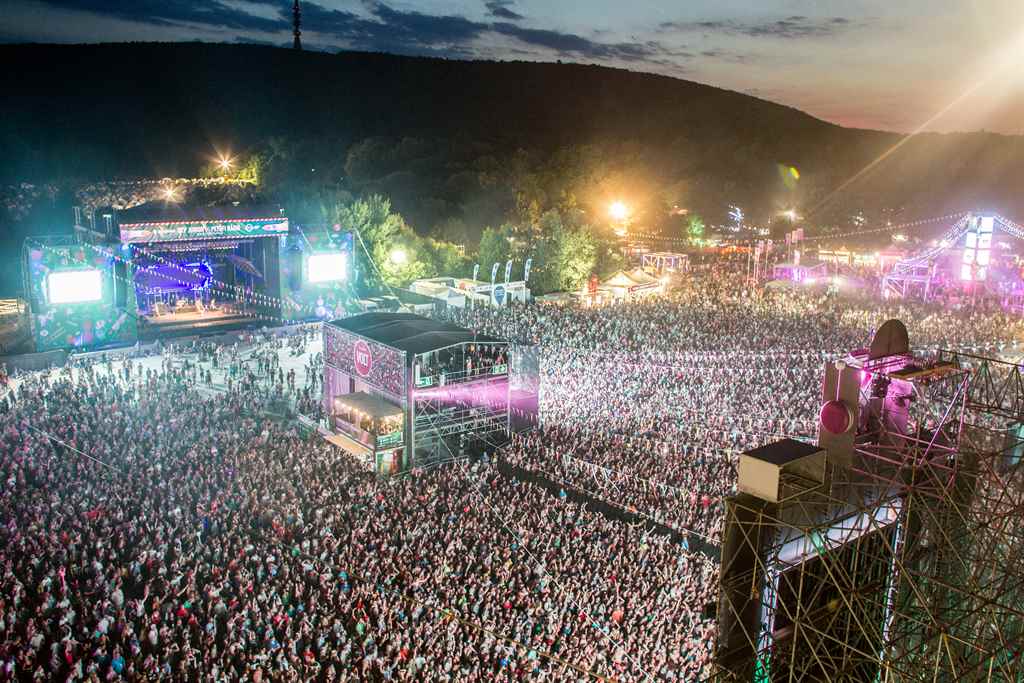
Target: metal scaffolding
<point>461,410</point>
<point>917,275</point>
<point>902,561</point>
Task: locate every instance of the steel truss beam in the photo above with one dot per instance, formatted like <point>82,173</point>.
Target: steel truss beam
<point>933,585</point>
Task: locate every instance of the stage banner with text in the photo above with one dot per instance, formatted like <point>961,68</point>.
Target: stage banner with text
<point>382,367</point>
<point>227,229</point>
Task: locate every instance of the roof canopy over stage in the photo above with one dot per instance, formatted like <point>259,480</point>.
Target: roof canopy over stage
<point>168,222</point>
<point>370,405</point>
<point>410,333</point>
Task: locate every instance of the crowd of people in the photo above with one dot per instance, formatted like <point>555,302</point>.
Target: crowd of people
<point>158,525</point>
<point>649,403</point>
<point>476,359</point>
<point>156,533</point>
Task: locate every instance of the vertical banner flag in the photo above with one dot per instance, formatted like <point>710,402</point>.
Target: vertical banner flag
<point>508,270</point>
<point>476,270</point>
<point>800,235</point>
<point>526,271</point>
<point>494,272</point>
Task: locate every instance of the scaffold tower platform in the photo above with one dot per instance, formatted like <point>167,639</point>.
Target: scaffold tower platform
<point>890,550</point>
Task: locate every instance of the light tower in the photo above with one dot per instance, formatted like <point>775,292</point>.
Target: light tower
<point>296,22</point>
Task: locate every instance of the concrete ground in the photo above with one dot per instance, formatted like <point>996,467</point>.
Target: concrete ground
<point>219,375</point>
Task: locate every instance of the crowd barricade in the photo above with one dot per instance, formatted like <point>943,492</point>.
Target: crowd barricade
<point>691,541</point>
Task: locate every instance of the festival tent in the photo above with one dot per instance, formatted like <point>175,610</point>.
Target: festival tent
<point>632,284</point>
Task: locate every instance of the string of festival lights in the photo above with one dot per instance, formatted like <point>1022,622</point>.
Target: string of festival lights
<point>234,290</point>
<point>129,282</point>
<point>1011,227</point>
<point>887,228</point>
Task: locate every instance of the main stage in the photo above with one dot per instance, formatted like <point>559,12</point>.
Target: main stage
<point>201,268</point>
<point>165,269</point>
<point>194,322</point>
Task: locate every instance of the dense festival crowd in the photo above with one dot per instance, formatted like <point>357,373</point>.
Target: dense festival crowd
<point>158,525</point>
<point>154,533</point>
<point>649,403</point>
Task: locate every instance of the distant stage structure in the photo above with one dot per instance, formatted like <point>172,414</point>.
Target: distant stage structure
<point>892,549</point>
<point>167,269</point>
<point>404,391</point>
<point>974,257</point>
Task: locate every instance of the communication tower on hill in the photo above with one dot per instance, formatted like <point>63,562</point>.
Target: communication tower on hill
<point>296,23</point>
<point>892,549</point>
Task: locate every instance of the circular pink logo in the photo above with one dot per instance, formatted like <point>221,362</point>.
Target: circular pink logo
<point>363,359</point>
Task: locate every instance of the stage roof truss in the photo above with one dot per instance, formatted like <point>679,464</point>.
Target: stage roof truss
<point>916,275</point>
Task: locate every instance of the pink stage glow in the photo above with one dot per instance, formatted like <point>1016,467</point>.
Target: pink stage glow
<point>467,393</point>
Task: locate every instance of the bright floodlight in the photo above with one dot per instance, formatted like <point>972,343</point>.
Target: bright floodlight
<point>618,211</point>
<point>225,163</point>
<point>398,257</point>
<point>325,268</point>
<point>170,195</point>
<point>74,286</point>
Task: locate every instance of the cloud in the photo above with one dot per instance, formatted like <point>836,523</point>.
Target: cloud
<point>572,44</point>
<point>791,27</point>
<point>173,13</point>
<point>725,55</point>
<point>499,9</point>
<point>411,32</point>
<point>379,27</point>
<point>425,28</point>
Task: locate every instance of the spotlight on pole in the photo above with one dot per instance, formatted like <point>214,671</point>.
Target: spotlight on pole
<point>619,211</point>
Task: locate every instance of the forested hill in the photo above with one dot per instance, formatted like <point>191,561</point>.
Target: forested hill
<point>142,106</point>
<point>156,110</point>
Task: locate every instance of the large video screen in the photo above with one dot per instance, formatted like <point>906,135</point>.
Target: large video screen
<point>326,268</point>
<point>74,286</point>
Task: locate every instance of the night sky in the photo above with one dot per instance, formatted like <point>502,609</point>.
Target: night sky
<point>889,64</point>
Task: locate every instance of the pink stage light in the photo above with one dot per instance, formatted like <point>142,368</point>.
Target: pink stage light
<point>836,417</point>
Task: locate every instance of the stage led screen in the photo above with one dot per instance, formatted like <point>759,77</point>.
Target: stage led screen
<point>68,313</point>
<point>74,286</point>
<point>326,268</point>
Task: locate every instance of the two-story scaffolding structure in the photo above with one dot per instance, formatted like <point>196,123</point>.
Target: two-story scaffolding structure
<point>890,550</point>
<point>401,390</point>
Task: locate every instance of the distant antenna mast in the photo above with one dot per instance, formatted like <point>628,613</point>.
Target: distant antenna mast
<point>296,22</point>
